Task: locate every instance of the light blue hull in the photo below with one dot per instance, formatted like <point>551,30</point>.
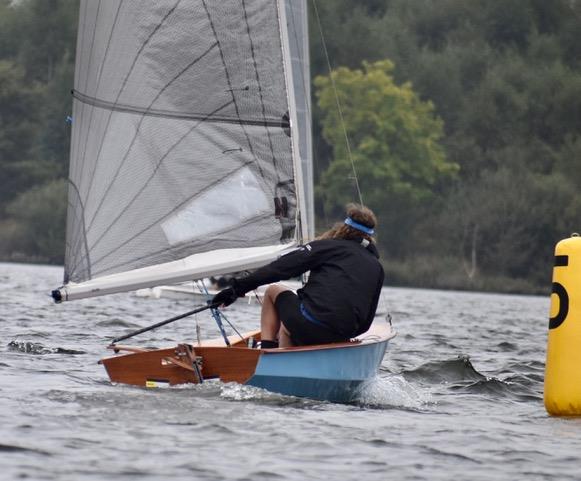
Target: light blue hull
<point>328,374</point>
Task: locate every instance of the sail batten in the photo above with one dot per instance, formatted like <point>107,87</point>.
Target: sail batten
<point>182,140</point>
<point>266,122</point>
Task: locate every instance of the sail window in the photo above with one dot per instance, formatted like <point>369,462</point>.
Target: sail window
<point>213,211</point>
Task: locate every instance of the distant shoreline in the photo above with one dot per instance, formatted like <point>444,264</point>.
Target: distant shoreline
<point>483,285</point>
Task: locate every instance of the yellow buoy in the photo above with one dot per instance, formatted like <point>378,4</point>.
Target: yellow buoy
<point>563,367</point>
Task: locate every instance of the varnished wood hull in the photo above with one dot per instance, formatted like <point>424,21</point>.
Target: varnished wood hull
<point>330,372</point>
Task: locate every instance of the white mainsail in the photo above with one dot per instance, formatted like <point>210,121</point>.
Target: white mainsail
<point>186,148</point>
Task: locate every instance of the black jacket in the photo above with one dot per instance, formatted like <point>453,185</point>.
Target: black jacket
<point>343,288</point>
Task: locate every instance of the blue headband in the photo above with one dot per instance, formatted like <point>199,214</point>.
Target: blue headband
<point>351,223</point>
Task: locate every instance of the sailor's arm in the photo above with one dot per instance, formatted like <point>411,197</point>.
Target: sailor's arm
<point>285,267</point>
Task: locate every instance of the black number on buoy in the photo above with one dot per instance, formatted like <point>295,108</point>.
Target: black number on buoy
<point>556,321</point>
<point>559,289</point>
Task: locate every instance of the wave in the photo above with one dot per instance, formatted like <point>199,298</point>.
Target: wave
<point>118,323</point>
<point>449,371</point>
<point>38,348</point>
<point>507,346</point>
<point>460,376</point>
<point>10,448</point>
<point>495,387</point>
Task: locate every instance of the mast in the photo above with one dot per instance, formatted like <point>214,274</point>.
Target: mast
<point>298,33</point>
<point>294,124</point>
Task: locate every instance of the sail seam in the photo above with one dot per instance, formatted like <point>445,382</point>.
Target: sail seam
<point>125,80</point>
<point>231,89</point>
<point>260,90</point>
<point>91,52</point>
<point>97,87</point>
<point>138,129</point>
<point>176,208</point>
<point>151,177</point>
<point>80,48</point>
<point>150,254</point>
<point>131,109</point>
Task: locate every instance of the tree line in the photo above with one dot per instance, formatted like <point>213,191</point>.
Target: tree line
<point>504,81</point>
<point>37,49</point>
<point>463,119</point>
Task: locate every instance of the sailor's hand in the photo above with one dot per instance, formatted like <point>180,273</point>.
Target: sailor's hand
<point>225,297</point>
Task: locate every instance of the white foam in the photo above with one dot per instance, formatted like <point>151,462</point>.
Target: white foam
<point>240,392</point>
<point>393,391</point>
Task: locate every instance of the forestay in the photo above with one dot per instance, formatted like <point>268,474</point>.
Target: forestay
<point>182,142</point>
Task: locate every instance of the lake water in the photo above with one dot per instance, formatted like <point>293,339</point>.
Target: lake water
<point>459,396</point>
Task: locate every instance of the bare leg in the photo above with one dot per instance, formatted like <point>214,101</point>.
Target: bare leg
<point>284,339</point>
<point>269,322</point>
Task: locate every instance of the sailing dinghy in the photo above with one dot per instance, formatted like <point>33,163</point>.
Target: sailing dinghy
<point>190,157</point>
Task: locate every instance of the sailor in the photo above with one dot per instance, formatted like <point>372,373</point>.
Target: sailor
<point>340,298</point>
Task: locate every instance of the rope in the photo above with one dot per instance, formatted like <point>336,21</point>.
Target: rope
<point>341,119</point>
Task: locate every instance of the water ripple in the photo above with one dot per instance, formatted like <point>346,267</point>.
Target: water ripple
<point>10,448</point>
<point>38,348</point>
<point>459,394</point>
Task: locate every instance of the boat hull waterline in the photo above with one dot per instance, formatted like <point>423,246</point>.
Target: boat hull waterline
<point>328,372</point>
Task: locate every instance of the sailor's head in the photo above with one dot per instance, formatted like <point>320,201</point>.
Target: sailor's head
<point>361,219</point>
<point>359,223</point>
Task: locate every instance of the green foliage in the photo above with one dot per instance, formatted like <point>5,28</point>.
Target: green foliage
<point>496,92</point>
<point>37,226</point>
<point>394,138</point>
<point>48,29</point>
<point>17,131</point>
<point>54,138</point>
<point>37,41</point>
<point>505,78</point>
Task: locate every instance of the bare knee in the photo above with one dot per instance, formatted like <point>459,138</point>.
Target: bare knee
<point>274,290</point>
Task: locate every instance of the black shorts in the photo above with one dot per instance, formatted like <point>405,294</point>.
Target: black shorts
<point>303,332</point>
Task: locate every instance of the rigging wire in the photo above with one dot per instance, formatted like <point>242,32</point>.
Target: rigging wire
<point>340,111</point>
<point>218,315</point>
